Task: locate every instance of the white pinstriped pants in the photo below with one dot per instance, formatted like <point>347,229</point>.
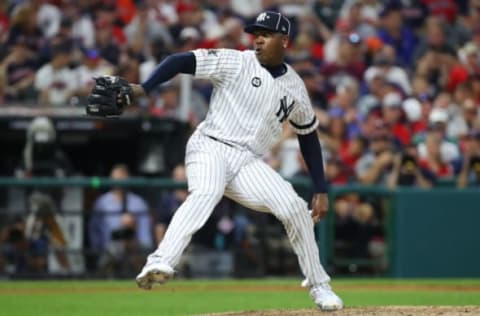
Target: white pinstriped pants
<point>215,169</point>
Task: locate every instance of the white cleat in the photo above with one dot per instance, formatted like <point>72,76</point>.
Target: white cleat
<point>154,272</point>
<point>325,298</point>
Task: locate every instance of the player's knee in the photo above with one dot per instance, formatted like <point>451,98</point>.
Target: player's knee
<point>292,209</point>
<point>206,195</point>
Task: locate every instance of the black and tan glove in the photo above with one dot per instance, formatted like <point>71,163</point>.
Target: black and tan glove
<point>110,96</point>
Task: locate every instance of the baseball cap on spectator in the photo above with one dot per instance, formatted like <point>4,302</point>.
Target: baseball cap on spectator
<point>373,73</point>
<point>189,33</point>
<point>392,100</point>
<point>215,32</point>
<point>271,21</point>
<point>413,109</point>
<point>366,104</point>
<point>469,49</point>
<point>183,7</point>
<point>438,116</point>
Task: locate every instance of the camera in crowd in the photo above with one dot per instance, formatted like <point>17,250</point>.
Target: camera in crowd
<point>124,233</point>
<point>474,166</point>
<point>408,169</point>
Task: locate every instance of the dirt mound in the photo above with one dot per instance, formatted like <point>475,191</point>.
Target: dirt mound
<point>370,311</point>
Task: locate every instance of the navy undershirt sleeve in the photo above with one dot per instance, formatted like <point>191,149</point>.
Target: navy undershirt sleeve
<point>312,153</point>
<point>174,64</point>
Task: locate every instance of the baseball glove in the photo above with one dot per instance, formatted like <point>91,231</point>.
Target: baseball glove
<point>109,97</point>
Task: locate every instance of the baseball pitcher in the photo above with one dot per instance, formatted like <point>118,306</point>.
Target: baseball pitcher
<point>255,92</point>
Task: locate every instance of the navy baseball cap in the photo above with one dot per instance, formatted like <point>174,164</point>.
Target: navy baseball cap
<point>271,21</point>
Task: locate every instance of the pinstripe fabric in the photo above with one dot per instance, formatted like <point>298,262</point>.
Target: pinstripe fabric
<point>215,169</point>
<point>247,109</point>
<point>243,114</point>
<point>270,192</point>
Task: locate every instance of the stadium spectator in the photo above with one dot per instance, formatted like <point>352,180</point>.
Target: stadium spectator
<point>327,12</point>
<point>105,41</point>
<point>393,31</point>
<point>470,173</point>
<point>433,160</point>
<point>394,117</point>
<point>468,65</point>
<point>315,86</point>
<point>407,171</point>
<point>361,16</point>
<point>169,203</point>
<point>93,65</point>
<point>17,74</point>
<point>124,253</point>
<point>83,28</point>
<point>357,227</point>
<point>464,120</point>
<point>335,138</point>
<point>144,28</point>
<point>449,150</point>
<point>48,18</point>
<point>374,166</point>
<point>109,212</point>
<point>55,81</point>
<point>384,65</point>
<point>24,24</point>
<point>349,62</point>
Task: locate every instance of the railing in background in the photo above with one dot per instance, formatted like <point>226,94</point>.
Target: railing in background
<point>409,226</point>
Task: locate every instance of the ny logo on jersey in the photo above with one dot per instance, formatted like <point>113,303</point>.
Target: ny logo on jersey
<point>262,17</point>
<point>212,52</point>
<point>284,109</point>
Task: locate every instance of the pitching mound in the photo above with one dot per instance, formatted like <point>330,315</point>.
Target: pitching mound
<point>370,311</point>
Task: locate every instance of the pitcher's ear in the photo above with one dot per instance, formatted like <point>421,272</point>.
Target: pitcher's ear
<point>285,41</point>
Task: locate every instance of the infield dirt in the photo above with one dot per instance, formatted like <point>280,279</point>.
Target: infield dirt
<point>369,311</point>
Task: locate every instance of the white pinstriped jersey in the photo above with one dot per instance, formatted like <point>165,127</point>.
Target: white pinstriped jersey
<point>248,105</point>
<point>247,109</point>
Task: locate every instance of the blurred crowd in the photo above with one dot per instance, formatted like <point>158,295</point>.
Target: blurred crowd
<point>395,83</point>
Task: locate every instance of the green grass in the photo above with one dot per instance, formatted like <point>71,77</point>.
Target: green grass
<point>119,298</point>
